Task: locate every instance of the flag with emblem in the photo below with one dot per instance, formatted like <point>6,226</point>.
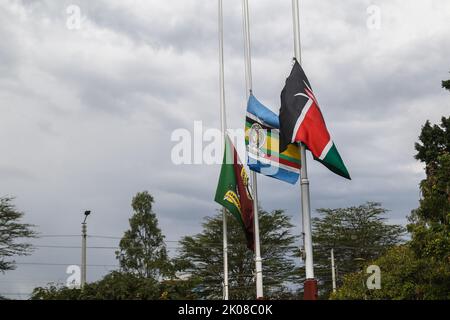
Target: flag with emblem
<point>233,191</point>
<point>301,121</point>
<point>262,143</point>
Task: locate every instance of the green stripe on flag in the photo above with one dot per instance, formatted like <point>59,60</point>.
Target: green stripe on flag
<point>333,161</point>
<point>276,154</point>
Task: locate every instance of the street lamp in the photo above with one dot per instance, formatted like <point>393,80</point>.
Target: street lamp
<point>83,248</point>
<point>86,213</point>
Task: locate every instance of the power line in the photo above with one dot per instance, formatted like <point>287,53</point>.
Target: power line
<point>71,247</point>
<point>58,236</point>
<point>119,238</point>
<point>212,244</point>
<point>64,264</point>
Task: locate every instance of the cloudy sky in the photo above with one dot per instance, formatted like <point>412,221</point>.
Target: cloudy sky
<point>87,111</point>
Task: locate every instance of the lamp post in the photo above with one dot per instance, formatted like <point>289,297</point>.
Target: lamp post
<point>83,248</point>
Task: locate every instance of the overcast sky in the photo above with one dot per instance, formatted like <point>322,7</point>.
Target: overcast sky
<point>86,114</point>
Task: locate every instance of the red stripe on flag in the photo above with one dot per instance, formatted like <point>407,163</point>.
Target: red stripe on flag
<point>313,131</point>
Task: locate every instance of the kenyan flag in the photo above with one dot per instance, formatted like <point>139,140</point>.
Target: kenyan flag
<point>302,121</point>
<point>233,192</point>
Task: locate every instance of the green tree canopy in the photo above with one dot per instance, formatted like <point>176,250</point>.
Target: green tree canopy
<point>114,286</point>
<point>202,255</point>
<point>403,277</point>
<point>119,286</point>
<point>430,223</point>
<point>356,234</point>
<point>419,269</point>
<point>446,84</point>
<point>142,248</point>
<point>12,234</point>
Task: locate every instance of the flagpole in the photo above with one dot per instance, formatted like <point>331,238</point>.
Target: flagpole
<point>223,124</point>
<point>310,285</point>
<point>253,176</point>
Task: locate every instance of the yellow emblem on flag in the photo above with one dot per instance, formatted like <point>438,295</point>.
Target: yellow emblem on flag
<point>232,198</point>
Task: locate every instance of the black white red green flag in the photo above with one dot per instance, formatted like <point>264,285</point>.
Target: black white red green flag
<point>302,121</point>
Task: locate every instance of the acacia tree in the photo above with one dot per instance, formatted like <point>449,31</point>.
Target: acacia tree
<point>142,250</point>
<point>202,255</point>
<point>12,234</point>
<point>356,235</point>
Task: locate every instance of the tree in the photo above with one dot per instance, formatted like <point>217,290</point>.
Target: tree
<point>12,233</point>
<point>356,234</point>
<point>114,286</point>
<point>178,289</point>
<point>430,223</point>
<point>202,255</point>
<point>446,84</point>
<point>403,277</point>
<point>146,273</point>
<point>421,268</point>
<point>119,286</point>
<point>142,249</point>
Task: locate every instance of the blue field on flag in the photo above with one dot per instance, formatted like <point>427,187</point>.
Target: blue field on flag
<point>262,144</point>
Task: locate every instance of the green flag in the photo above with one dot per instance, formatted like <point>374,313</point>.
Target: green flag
<point>233,192</point>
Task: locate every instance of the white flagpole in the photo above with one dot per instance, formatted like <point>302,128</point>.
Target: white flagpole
<point>310,289</point>
<point>333,271</point>
<point>223,124</point>
<point>254,180</point>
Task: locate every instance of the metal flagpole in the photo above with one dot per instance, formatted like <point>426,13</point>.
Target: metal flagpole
<point>254,180</point>
<point>333,271</point>
<point>223,124</point>
<point>310,286</point>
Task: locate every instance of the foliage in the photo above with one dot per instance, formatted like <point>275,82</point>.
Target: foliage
<point>403,277</point>
<point>142,248</point>
<point>446,84</point>
<point>421,268</point>
<point>119,286</point>
<point>179,289</point>
<point>430,223</point>
<point>356,234</point>
<point>202,255</point>
<point>12,233</point>
<point>114,286</point>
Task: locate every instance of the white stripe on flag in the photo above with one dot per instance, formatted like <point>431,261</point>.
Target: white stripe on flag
<point>260,121</point>
<point>302,116</point>
<point>273,163</point>
<point>326,149</point>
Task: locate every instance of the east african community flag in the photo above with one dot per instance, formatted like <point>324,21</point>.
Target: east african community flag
<point>262,142</point>
<point>233,191</point>
<point>301,121</point>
